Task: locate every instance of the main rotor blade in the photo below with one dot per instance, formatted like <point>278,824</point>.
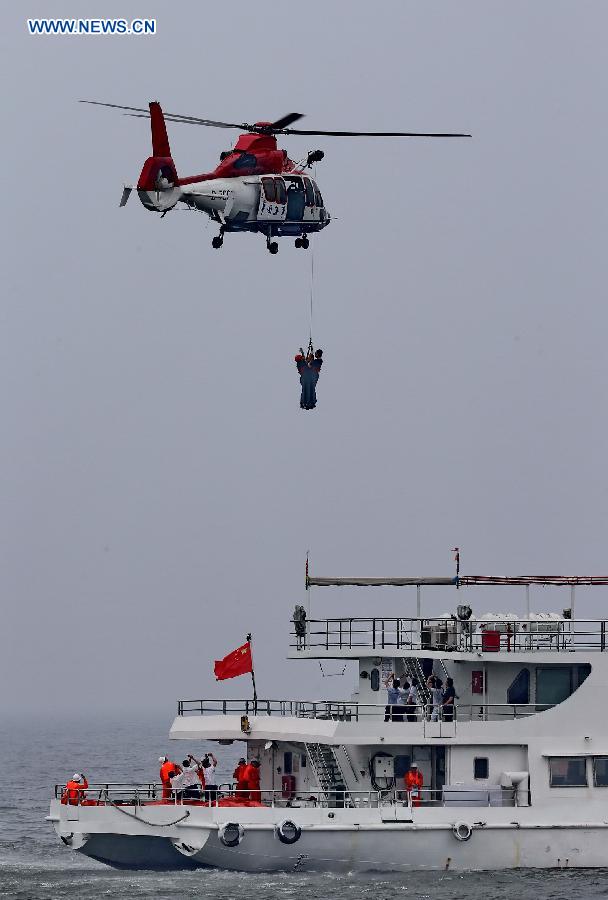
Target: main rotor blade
<point>280,124</point>
<point>369,133</point>
<point>173,117</point>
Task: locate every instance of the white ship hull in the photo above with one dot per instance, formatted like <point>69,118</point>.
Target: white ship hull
<point>511,841</point>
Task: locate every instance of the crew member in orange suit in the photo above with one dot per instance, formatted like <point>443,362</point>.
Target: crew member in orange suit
<point>251,776</point>
<point>413,783</point>
<point>167,766</point>
<point>74,792</point>
<point>239,777</point>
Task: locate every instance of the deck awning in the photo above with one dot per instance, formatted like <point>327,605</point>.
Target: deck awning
<point>460,581</point>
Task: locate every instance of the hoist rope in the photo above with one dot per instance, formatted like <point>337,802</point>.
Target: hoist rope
<point>312,283</point>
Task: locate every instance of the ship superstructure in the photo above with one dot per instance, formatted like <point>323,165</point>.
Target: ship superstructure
<point>513,775</point>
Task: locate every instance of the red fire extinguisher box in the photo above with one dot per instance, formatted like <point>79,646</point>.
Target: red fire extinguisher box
<point>490,640</point>
<point>288,784</point>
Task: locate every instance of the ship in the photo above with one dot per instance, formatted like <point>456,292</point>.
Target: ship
<point>511,770</point>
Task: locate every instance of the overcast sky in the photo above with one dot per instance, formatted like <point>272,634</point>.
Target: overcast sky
<point>159,484</point>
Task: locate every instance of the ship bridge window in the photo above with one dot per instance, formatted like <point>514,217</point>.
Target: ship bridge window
<point>556,683</point>
<point>600,771</point>
<point>270,191</point>
<point>481,767</point>
<point>519,689</point>
<point>567,771</point>
<point>374,679</point>
<point>288,762</point>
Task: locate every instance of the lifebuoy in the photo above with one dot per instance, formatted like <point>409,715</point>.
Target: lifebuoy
<point>288,832</point>
<point>231,834</point>
<point>462,831</point>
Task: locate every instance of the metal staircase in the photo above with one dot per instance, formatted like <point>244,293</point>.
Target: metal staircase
<point>413,668</point>
<point>329,774</point>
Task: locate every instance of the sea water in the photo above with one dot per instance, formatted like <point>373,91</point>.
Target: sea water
<point>35,866</point>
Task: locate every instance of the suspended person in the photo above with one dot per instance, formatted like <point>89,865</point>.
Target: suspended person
<point>166,767</point>
<point>74,792</point>
<point>309,368</point>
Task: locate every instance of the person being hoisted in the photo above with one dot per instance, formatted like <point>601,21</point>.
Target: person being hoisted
<point>309,368</point>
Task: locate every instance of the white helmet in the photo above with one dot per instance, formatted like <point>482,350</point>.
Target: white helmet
<point>162,759</point>
<point>76,776</point>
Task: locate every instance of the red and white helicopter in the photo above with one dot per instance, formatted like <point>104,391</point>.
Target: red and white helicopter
<point>256,186</point>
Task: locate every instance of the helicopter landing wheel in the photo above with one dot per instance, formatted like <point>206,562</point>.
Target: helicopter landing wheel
<point>304,243</point>
<point>217,241</point>
<point>298,242</point>
<point>273,247</point>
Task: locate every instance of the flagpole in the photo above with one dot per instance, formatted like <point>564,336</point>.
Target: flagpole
<point>255,693</point>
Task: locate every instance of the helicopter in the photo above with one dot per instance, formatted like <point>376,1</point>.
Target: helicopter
<point>255,187</point>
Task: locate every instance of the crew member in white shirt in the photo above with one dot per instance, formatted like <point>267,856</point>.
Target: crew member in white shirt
<point>209,765</point>
<point>190,780</point>
<point>177,785</point>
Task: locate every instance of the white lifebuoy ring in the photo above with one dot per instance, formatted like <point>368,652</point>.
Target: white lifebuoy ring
<point>231,834</point>
<point>462,831</point>
<point>288,832</point>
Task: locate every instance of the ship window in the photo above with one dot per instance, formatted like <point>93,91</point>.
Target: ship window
<point>553,684</point>
<point>567,771</point>
<point>280,189</point>
<point>600,771</point>
<point>269,189</point>
<point>303,760</point>
<point>374,679</point>
<point>481,767</point>
<point>288,762</point>
<point>519,689</point>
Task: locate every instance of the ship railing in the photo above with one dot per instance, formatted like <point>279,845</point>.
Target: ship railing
<point>472,636</point>
<point>353,711</point>
<point>226,796</point>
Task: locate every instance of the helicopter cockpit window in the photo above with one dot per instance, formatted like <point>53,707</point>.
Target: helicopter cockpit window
<point>280,189</point>
<point>310,194</point>
<point>318,197</point>
<point>269,189</point>
<point>246,161</point>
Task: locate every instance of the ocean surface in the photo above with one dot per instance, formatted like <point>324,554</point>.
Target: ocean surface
<point>35,866</point>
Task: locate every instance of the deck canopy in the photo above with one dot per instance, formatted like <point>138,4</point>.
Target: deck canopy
<point>460,581</point>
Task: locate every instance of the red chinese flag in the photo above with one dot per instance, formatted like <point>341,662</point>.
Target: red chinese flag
<point>236,663</point>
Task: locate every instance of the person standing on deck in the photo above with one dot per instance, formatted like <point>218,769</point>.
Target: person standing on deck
<point>413,783</point>
<point>240,780</point>
<point>209,765</point>
<point>166,766</point>
<point>252,777</point>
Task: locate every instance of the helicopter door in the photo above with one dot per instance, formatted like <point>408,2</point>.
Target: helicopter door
<point>273,200</point>
<point>296,199</point>
<point>311,212</point>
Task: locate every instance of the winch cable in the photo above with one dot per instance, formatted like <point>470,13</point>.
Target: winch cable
<point>312,285</point>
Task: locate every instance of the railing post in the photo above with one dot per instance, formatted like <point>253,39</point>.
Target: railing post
<point>603,635</point>
<point>374,633</point>
<point>350,634</point>
<point>327,634</point>
<point>340,634</point>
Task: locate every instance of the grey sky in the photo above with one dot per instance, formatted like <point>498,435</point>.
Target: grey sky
<point>159,484</point>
